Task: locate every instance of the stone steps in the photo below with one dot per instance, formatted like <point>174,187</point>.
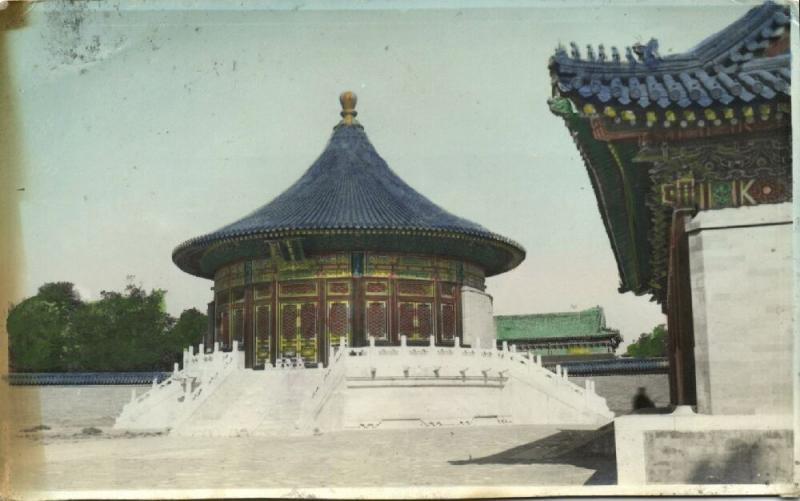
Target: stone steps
<point>253,403</point>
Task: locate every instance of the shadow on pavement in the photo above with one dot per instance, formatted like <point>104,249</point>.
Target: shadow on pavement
<point>590,449</point>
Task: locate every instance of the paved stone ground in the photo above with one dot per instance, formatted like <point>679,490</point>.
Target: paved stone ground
<point>66,456</point>
<point>486,455</point>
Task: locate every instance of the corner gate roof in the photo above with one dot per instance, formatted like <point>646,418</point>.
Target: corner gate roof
<point>727,67</point>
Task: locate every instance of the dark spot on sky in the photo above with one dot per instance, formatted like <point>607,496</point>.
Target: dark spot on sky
<point>196,29</point>
<point>386,48</point>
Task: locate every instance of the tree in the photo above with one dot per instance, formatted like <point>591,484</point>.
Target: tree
<point>189,330</point>
<point>36,333</point>
<point>62,294</point>
<point>122,331</point>
<point>650,344</point>
<point>38,328</point>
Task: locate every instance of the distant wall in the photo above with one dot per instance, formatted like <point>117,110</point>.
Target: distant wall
<point>477,318</point>
<point>741,277</point>
<point>619,390</point>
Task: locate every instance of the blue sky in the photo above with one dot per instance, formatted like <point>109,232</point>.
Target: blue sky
<point>145,125</point>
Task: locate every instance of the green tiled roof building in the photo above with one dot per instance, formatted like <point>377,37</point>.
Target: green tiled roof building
<point>560,336</point>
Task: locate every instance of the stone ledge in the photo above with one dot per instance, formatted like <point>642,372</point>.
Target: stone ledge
<point>631,431</point>
<point>756,215</point>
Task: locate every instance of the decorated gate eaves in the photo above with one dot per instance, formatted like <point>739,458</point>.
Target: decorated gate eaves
<point>702,130</point>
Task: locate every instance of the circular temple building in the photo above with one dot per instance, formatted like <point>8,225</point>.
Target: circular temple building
<point>348,251</point>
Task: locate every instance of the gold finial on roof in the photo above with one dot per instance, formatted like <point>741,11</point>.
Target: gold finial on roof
<point>348,100</point>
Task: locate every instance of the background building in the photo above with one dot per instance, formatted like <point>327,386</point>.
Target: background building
<point>574,335</point>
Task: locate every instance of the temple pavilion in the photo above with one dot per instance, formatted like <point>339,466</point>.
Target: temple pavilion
<point>561,336</point>
<point>349,251</point>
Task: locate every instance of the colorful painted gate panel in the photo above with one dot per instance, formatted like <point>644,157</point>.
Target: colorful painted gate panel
<point>263,334</point>
<point>237,326</point>
<point>223,330</point>
<point>298,335</point>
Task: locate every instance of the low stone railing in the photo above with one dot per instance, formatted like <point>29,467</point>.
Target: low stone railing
<point>175,398</point>
<point>170,403</point>
<point>472,362</point>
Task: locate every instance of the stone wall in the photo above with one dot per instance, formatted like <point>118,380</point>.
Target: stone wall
<point>619,390</point>
<point>718,456</point>
<point>688,448</point>
<point>741,276</point>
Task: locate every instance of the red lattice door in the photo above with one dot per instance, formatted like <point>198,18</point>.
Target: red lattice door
<point>377,320</point>
<point>415,320</point>
<point>447,320</point>
<point>339,324</point>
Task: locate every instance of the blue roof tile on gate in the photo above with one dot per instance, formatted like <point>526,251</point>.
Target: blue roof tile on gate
<point>722,68</point>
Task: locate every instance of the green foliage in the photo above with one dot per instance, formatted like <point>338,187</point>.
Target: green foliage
<point>37,333</point>
<point>189,329</point>
<point>122,331</point>
<point>62,294</point>
<point>652,344</point>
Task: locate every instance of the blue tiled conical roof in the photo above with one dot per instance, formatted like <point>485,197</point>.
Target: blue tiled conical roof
<point>350,190</point>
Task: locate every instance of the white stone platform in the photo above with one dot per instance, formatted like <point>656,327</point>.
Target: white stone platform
<point>363,388</point>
